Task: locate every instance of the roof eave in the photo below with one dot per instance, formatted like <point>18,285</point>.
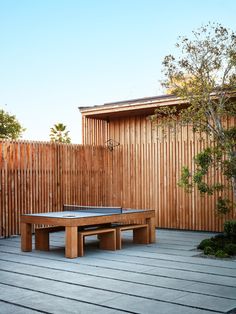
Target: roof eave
<point>125,107</point>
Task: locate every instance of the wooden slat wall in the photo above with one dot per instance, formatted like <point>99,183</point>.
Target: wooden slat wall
<point>39,177</point>
<point>150,177</point>
<point>98,134</point>
<point>151,170</point>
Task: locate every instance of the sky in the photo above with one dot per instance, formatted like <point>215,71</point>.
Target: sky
<point>58,55</point>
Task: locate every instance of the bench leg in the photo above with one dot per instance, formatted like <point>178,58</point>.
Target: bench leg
<point>81,243</point>
<point>26,237</point>
<point>41,240</point>
<point>71,242</point>
<point>141,235</point>
<point>108,241</point>
<point>118,239</point>
<point>152,230</point>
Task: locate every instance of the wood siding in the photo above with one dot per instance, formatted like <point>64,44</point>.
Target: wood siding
<point>94,132</point>
<point>128,130</point>
<point>152,165</point>
<point>150,176</point>
<point>40,177</point>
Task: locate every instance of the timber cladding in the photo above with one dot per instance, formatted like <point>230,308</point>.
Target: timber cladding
<point>151,169</point>
<point>150,180</point>
<point>41,177</point>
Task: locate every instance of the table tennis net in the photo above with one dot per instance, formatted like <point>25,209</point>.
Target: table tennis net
<point>93,209</point>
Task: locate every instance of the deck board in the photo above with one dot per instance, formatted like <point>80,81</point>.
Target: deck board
<point>165,277</point>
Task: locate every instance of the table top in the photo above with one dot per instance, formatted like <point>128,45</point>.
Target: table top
<point>96,212</point>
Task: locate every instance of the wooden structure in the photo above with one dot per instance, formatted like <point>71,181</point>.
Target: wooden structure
<point>142,172</point>
<point>152,163</point>
<point>140,234</point>
<point>71,225</point>
<point>106,236</point>
<point>42,240</point>
<point>125,122</point>
<point>39,177</point>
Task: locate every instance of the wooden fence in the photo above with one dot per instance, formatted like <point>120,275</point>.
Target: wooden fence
<point>150,180</point>
<point>39,177</point>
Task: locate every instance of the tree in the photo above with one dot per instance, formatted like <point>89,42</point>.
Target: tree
<point>10,127</point>
<point>59,134</point>
<point>204,78</point>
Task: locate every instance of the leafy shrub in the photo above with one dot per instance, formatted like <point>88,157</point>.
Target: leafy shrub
<point>221,254</point>
<point>208,250</point>
<point>220,241</point>
<point>218,236</point>
<point>230,249</point>
<point>221,245</point>
<point>206,243</point>
<point>230,229</point>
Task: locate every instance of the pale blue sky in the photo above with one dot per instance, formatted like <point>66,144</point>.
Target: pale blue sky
<point>57,55</point>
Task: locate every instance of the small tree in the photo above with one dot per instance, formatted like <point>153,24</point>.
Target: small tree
<point>10,127</point>
<point>204,78</point>
<point>59,134</point>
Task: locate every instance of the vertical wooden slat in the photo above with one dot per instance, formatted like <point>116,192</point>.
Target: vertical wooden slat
<point>37,177</point>
<point>42,176</point>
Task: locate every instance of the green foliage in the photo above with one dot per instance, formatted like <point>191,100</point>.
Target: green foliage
<point>222,245</point>
<point>210,158</point>
<point>230,229</point>
<point>218,186</point>
<point>231,133</point>
<point>229,167</point>
<point>209,58</point>
<point>203,77</point>
<point>220,241</point>
<point>223,205</point>
<point>59,134</point>
<point>204,159</point>
<point>221,254</point>
<point>10,127</point>
<point>219,236</point>
<point>208,250</point>
<point>165,117</point>
<point>230,249</point>
<point>206,243</point>
<point>184,181</point>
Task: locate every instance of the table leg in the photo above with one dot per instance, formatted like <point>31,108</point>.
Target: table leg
<point>152,230</point>
<point>71,242</point>
<point>26,237</point>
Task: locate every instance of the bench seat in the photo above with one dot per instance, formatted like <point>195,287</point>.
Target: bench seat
<point>42,240</point>
<point>140,234</point>
<point>107,239</point>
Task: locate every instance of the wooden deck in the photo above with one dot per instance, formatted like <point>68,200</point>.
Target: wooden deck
<point>165,277</point>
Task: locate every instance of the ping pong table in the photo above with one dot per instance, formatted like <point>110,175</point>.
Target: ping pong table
<point>74,216</point>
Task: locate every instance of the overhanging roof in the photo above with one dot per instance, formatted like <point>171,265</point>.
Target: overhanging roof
<point>141,106</point>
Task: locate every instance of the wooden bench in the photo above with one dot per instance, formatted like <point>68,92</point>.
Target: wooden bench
<point>107,239</point>
<point>42,240</point>
<point>140,234</point>
<point>42,236</point>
